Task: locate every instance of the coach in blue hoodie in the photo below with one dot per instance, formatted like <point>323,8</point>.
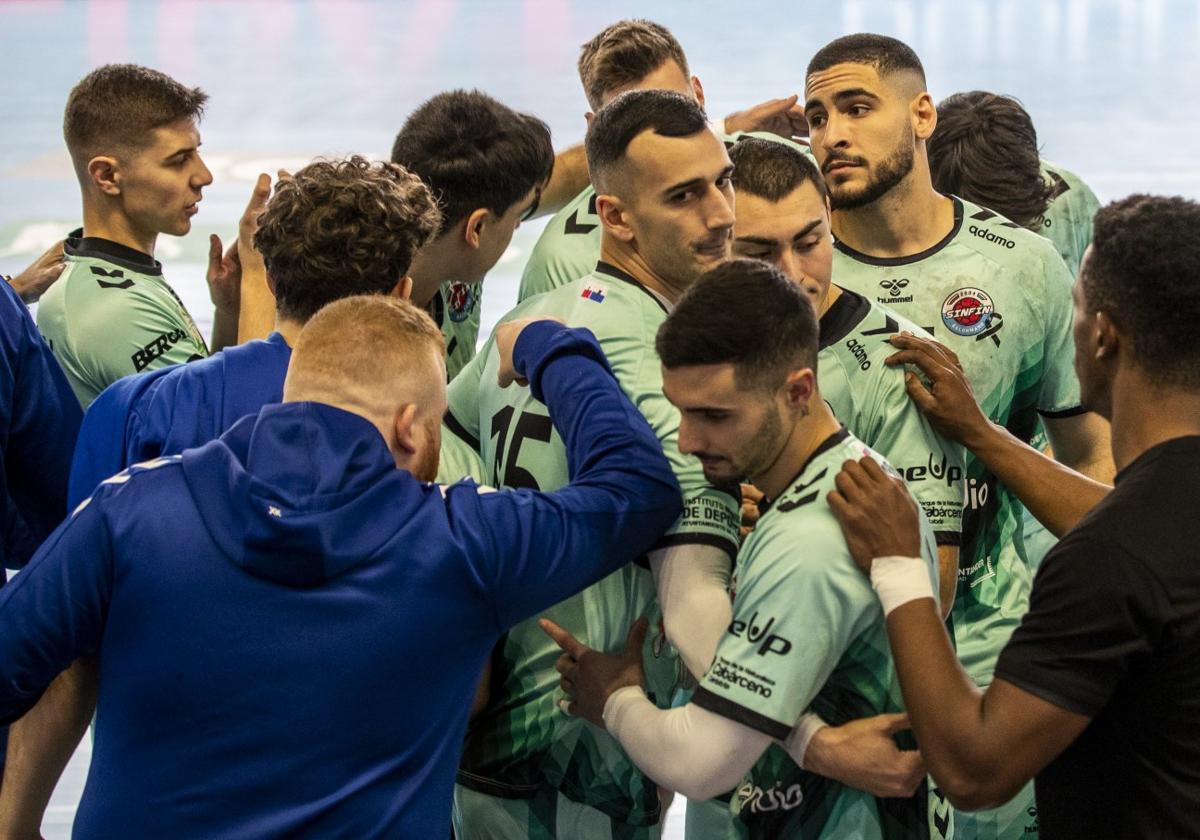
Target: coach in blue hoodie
<point>290,621</point>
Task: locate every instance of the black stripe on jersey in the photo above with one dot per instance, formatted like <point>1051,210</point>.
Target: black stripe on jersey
<point>833,440</point>
<point>914,258</point>
<point>724,543</point>
<point>947,537</point>
<point>93,247</point>
<point>1066,412</point>
<point>617,274</point>
<point>847,312</point>
<point>460,430</point>
<point>716,704</point>
<point>491,787</point>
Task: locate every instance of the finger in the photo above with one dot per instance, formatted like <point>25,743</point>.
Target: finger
<point>637,637</point>
<point>851,482</point>
<point>930,364</point>
<point>912,768</point>
<point>283,175</point>
<point>565,664</point>
<point>895,722</point>
<point>214,251</point>
<point>751,493</point>
<point>873,471</point>
<point>919,394</point>
<point>563,638</point>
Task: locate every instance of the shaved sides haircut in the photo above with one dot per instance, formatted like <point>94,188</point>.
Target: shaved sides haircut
<point>772,171</point>
<point>886,55</point>
<point>356,349</point>
<point>985,150</point>
<point>625,53</point>
<point>664,112</point>
<point>113,110</point>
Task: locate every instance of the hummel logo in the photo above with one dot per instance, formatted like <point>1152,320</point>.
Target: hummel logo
<point>894,286</point>
<point>124,284</point>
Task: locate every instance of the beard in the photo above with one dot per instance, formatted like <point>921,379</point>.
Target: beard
<point>885,177</point>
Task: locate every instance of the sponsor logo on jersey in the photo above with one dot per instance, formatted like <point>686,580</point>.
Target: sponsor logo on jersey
<point>753,632</point>
<point>970,312</point>
<point>596,293</point>
<point>894,287</point>
<point>983,568</point>
<point>996,238</point>
<point>730,674</point>
<point>935,470</point>
<point>160,345</point>
<point>859,352</point>
<point>758,800</point>
<point>461,300</point>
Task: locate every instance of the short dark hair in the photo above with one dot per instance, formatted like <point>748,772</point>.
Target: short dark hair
<point>624,54</point>
<point>342,228</point>
<point>114,108</point>
<point>771,170</point>
<point>474,152</point>
<point>985,150</point>
<point>723,318</point>
<point>665,112</point>
<point>886,55</point>
<point>1144,272</point>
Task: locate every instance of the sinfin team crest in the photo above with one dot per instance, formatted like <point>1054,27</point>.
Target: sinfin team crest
<point>970,312</point>
<point>460,300</point>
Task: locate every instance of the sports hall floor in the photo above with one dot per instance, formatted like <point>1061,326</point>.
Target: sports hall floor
<point>1111,85</point>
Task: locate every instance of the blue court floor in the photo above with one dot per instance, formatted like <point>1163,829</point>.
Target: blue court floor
<point>1111,85</point>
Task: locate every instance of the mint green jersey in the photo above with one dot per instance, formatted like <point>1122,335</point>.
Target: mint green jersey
<point>570,243</point>
<point>455,308</point>
<point>999,296</point>
<point>521,741</point>
<point>1067,221</point>
<point>870,398</point>
<point>111,314</point>
<point>808,632</point>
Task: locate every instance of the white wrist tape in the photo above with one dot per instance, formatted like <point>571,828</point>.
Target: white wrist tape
<point>803,732</point>
<point>898,580</point>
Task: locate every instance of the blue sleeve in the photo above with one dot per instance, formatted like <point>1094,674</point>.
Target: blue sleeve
<point>54,611</point>
<point>43,417</point>
<point>531,550</point>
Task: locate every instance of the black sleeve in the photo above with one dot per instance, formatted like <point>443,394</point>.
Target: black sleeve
<point>1094,610</point>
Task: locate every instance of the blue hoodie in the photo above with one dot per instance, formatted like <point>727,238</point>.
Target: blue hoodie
<point>290,629</point>
<point>168,410</point>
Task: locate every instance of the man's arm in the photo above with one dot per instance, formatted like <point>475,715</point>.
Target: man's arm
<point>567,180</point>
<point>1082,442</point>
<point>981,748</point>
<point>33,282</point>
<point>533,549</point>
<point>39,746</point>
<point>1054,493</point>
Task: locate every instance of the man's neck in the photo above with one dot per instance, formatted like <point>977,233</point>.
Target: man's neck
<point>1135,428</point>
<point>912,218</point>
<point>830,299</point>
<point>431,267</point>
<point>289,329</point>
<point>806,436</point>
<point>115,227</point>
<point>621,256</point>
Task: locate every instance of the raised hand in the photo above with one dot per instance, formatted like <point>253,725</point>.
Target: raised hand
<point>784,117</point>
<point>589,677</point>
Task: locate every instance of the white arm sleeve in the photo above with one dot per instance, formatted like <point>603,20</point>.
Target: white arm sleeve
<point>688,749</point>
<point>693,583</point>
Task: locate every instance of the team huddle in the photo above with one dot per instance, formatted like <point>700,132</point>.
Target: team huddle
<point>742,501</point>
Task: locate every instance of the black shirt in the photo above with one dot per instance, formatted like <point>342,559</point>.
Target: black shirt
<point>1113,632</point>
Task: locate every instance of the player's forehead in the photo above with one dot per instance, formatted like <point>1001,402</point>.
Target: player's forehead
<point>180,135</point>
<point>698,387</point>
<point>667,76</point>
<point>824,87</point>
<point>781,219</point>
<point>656,162</point>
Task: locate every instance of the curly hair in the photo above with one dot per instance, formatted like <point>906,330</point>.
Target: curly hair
<point>1143,270</point>
<point>985,150</point>
<point>341,228</point>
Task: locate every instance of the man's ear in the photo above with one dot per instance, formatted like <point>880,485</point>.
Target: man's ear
<point>924,116</point>
<point>475,224</point>
<point>402,425</point>
<point>402,289</point>
<point>588,117</point>
<point>105,173</point>
<point>698,90</point>
<point>611,211</point>
<point>799,388</point>
<point>1107,336</point>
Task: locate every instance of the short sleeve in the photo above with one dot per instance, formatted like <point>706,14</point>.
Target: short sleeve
<point>1094,609</point>
<point>1059,396</point>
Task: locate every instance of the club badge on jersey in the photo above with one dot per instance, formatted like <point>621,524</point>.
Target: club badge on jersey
<point>461,300</point>
<point>970,312</point>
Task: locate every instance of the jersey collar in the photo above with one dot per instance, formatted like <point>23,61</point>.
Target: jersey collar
<point>610,270</point>
<point>824,446</point>
<point>96,248</point>
<point>846,313</point>
<point>912,258</point>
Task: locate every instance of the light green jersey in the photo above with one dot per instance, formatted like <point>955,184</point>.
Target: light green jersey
<point>870,398</point>
<point>1067,221</point>
<point>520,741</point>
<point>570,243</point>
<point>455,308</point>
<point>111,314</point>
<point>999,296</point>
<point>808,632</point>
